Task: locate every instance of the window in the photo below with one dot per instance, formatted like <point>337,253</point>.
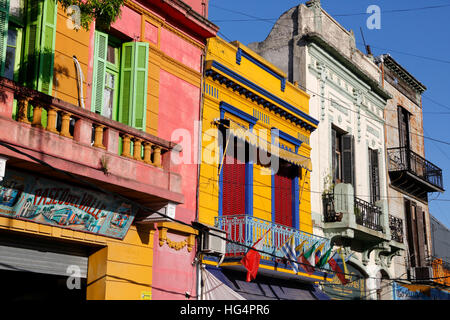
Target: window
<point>403,127</point>
<point>233,188</point>
<point>342,146</point>
<point>27,30</point>
<point>374,176</point>
<point>284,184</point>
<point>119,86</point>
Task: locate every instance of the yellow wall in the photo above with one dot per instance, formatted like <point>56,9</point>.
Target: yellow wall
<point>225,53</point>
<point>69,42</point>
<point>121,269</point>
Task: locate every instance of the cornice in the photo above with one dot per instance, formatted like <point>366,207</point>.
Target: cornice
<point>231,79</point>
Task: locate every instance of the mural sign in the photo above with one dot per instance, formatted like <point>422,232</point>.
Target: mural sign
<point>354,290</point>
<point>418,292</point>
<point>31,198</point>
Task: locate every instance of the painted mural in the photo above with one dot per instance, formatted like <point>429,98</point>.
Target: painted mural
<point>31,198</point>
<point>354,290</point>
<point>418,292</point>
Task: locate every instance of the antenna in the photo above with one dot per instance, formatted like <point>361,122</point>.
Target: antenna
<point>369,52</point>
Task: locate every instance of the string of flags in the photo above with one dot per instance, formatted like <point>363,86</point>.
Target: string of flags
<point>308,260</point>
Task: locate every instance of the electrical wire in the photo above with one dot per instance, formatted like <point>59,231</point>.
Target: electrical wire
<point>198,228</point>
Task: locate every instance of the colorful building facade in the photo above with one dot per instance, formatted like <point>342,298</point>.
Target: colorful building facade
<point>87,118</point>
<point>255,169</point>
<point>411,177</point>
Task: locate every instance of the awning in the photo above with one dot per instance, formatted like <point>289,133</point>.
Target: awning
<point>214,289</point>
<point>253,139</point>
<point>266,288</point>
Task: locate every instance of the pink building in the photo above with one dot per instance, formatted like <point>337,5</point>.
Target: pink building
<point>103,105</point>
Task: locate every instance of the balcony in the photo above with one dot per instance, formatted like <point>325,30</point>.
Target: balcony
<point>110,154</point>
<point>346,215</point>
<point>247,230</point>
<point>413,174</point>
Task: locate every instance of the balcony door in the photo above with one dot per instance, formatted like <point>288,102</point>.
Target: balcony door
<point>403,128</point>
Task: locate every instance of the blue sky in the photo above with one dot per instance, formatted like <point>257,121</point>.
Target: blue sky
<point>417,36</point>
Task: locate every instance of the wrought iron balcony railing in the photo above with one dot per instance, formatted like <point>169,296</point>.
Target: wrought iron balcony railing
<point>247,230</point>
<point>366,213</point>
<point>396,227</point>
<point>403,159</point>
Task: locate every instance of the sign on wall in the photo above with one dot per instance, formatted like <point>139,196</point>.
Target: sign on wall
<point>354,290</point>
<point>418,292</point>
<point>37,199</point>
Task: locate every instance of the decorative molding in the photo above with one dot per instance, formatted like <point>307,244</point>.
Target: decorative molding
<point>146,12</point>
<point>241,53</point>
<point>357,100</point>
<point>237,112</point>
<point>295,115</point>
<point>189,241</point>
<point>322,73</point>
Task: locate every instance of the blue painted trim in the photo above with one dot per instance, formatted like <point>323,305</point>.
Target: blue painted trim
<point>264,92</point>
<point>237,112</point>
<point>240,53</point>
<point>295,204</point>
<point>238,56</point>
<point>273,197</point>
<point>249,183</point>
<point>285,136</point>
<point>273,185</point>
<point>270,263</point>
<point>220,205</point>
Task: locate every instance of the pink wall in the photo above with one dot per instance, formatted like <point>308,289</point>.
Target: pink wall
<point>180,50</point>
<point>173,272</point>
<point>198,5</point>
<point>179,109</point>
<point>129,23</point>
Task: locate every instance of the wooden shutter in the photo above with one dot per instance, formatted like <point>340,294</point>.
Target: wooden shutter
<point>133,84</point>
<point>374,175</point>
<point>233,190</point>
<point>4,17</point>
<point>34,10</point>
<point>99,71</point>
<point>420,237</point>
<point>283,197</point>
<point>47,47</point>
<point>39,50</point>
<point>348,175</point>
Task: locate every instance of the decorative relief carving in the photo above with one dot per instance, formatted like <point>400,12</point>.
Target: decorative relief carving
<point>177,245</point>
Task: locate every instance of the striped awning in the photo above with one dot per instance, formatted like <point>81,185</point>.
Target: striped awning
<point>245,134</point>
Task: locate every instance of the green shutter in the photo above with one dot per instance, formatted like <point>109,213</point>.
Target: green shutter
<point>4,13</point>
<point>47,45</point>
<point>98,80</point>
<point>32,43</point>
<point>133,84</point>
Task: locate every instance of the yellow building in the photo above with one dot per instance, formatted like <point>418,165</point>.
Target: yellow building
<point>254,175</point>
